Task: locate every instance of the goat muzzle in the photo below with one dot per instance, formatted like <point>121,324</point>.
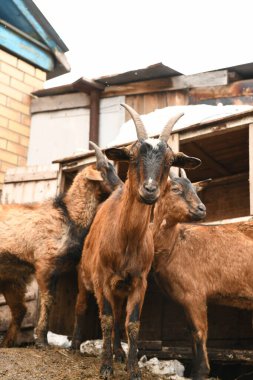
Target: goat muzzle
<point>198,213</point>
<point>149,192</point>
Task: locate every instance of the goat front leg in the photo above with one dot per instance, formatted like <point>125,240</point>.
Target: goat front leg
<point>196,314</point>
<point>119,353</point>
<point>134,306</point>
<point>106,318</point>
<point>15,298</point>
<point>47,286</point>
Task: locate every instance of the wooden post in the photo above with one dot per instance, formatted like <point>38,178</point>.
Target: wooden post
<point>94,117</point>
<point>251,167</point>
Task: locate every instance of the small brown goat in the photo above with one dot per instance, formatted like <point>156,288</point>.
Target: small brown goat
<point>197,264</point>
<point>46,239</point>
<point>118,251</point>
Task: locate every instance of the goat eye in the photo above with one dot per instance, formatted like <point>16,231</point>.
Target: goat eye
<point>176,190</point>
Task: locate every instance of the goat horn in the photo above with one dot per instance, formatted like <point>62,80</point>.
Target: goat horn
<point>172,175</point>
<point>140,129</point>
<point>99,154</point>
<point>182,173</point>
<point>164,136</point>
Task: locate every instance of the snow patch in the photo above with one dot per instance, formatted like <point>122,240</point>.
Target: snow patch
<point>58,340</point>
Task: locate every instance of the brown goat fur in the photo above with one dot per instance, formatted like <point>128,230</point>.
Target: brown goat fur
<point>197,264</point>
<point>46,239</point>
<point>118,251</point>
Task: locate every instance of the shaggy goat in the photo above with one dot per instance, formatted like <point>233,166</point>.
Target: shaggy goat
<point>197,264</point>
<point>46,239</point>
<point>118,251</point>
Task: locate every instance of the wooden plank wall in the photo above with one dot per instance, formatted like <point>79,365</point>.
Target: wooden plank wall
<point>30,184</point>
<point>145,103</point>
<point>154,95</point>
<point>226,200</point>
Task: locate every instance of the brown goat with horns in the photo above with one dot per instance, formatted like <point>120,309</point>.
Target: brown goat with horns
<point>197,264</point>
<point>118,251</point>
<point>46,239</point>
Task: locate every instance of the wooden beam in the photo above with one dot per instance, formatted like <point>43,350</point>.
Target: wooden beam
<point>210,161</point>
<point>229,221</point>
<point>236,89</point>
<point>60,102</point>
<point>251,167</point>
<point>229,179</point>
<point>199,131</point>
<point>214,78</point>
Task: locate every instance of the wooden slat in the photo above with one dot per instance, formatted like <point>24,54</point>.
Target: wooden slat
<point>150,345</point>
<point>251,167</point>
<point>60,102</point>
<point>27,177</point>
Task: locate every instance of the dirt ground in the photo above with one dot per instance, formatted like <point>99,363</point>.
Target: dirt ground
<point>55,364</point>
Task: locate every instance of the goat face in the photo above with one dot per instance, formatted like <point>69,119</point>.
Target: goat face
<point>150,159</point>
<point>183,201</point>
<point>148,164</point>
<point>104,173</point>
<point>110,179</point>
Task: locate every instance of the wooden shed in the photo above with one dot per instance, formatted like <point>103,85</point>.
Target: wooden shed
<point>224,144</point>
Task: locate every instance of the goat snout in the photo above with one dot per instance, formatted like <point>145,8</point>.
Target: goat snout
<point>202,208</point>
<point>199,212</point>
<point>149,192</point>
<point>150,186</point>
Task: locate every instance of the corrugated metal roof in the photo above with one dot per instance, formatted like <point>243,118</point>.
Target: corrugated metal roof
<point>158,70</point>
<point>81,85</point>
<point>155,71</point>
<point>245,70</point>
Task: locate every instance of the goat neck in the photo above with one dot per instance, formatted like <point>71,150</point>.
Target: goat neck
<point>81,200</point>
<point>165,228</point>
<point>135,215</point>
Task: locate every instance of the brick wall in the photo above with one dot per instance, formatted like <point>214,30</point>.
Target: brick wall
<point>17,80</point>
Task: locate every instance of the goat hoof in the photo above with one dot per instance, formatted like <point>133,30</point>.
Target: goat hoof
<point>7,343</point>
<point>120,356</point>
<point>135,376</point>
<point>41,344</point>
<point>106,372</point>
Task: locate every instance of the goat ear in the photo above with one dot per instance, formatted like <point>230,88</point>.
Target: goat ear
<point>117,154</point>
<point>93,174</point>
<point>199,186</point>
<point>186,162</point>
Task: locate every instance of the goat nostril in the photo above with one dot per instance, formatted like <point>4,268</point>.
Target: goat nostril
<point>202,207</point>
<point>150,188</point>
